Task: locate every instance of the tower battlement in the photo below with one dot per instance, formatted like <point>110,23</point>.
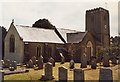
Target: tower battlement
<point>97,10</point>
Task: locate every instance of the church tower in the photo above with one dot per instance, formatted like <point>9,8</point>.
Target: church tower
<point>97,22</point>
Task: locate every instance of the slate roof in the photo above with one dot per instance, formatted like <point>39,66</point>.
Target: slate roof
<point>33,34</point>
<point>64,32</point>
<point>76,37</point>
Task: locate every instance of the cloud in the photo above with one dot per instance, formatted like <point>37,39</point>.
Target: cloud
<point>61,14</point>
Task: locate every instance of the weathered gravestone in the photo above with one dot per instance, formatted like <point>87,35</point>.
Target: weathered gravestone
<point>72,64</point>
<point>14,64</point>
<point>51,60</point>
<point>33,60</point>
<point>106,60</point>
<point>84,61</point>
<point>105,74</point>
<point>93,63</point>
<point>6,64</point>
<point>78,75</point>
<point>30,64</point>
<point>62,74</point>
<point>62,58</point>
<point>1,76</point>
<point>40,62</point>
<point>48,72</point>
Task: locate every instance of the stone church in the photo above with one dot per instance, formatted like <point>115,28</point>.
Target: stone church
<point>24,42</point>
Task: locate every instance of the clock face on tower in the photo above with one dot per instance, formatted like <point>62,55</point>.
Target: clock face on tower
<point>105,26</point>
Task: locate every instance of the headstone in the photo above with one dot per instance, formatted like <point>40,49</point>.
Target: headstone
<point>48,72</point>
<point>6,63</point>
<point>114,61</point>
<point>106,60</point>
<point>40,63</point>
<point>63,74</point>
<point>72,64</point>
<point>1,76</point>
<point>84,61</point>
<point>78,75</point>
<point>51,60</point>
<point>33,60</point>
<point>105,74</point>
<point>93,63</point>
<point>30,64</point>
<point>62,58</point>
<point>14,64</point>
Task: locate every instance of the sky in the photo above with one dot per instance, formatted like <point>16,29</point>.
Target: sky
<point>61,13</point>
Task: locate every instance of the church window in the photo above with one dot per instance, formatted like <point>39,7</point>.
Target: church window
<point>12,44</point>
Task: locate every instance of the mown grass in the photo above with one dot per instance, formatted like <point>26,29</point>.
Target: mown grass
<point>90,74</point>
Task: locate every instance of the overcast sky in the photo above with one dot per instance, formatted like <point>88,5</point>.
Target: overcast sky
<point>63,14</point>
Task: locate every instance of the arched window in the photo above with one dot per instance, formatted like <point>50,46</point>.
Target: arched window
<point>12,44</point>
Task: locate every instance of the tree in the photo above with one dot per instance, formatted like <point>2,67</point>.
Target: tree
<point>43,23</point>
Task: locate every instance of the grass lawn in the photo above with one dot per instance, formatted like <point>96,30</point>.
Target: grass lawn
<point>90,74</point>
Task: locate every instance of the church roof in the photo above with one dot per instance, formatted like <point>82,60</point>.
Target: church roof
<point>64,32</point>
<point>33,34</point>
<point>76,37</point>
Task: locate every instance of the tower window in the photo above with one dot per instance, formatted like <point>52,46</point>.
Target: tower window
<point>12,44</point>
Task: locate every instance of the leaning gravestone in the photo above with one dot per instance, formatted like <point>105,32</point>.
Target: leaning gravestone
<point>62,74</point>
<point>93,63</point>
<point>84,61</point>
<point>78,75</point>
<point>1,76</point>
<point>62,58</point>
<point>40,63</point>
<point>51,60</point>
<point>34,60</point>
<point>48,72</point>
<point>106,60</point>
<point>72,64</point>
<point>105,74</point>
<point>30,64</point>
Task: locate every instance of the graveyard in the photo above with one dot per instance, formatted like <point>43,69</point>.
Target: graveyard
<point>89,74</point>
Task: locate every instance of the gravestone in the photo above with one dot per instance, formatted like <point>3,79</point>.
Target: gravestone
<point>30,64</point>
<point>93,63</point>
<point>84,61</point>
<point>1,76</point>
<point>40,63</point>
<point>51,60</point>
<point>48,72</point>
<point>33,60</point>
<point>14,64</point>
<point>63,74</point>
<point>105,74</point>
<point>106,60</point>
<point>72,64</point>
<point>114,61</point>
<point>6,63</point>
<point>62,58</point>
<point>78,75</point>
